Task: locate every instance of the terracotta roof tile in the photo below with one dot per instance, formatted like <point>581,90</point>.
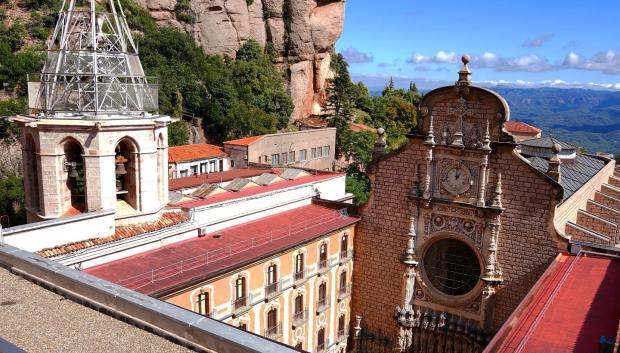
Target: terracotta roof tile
<point>244,141</point>
<point>519,127</point>
<point>166,220</point>
<point>357,127</point>
<point>194,152</point>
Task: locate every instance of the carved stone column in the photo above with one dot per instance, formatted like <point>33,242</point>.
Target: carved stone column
<point>405,315</point>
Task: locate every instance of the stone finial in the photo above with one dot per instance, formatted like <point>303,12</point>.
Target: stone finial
<point>357,329</point>
<point>379,144</point>
<point>408,257</point>
<point>554,163</point>
<point>486,139</point>
<point>497,193</point>
<point>430,136</point>
<point>464,73</point>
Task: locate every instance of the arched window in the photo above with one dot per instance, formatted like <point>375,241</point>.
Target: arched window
<point>202,303</point>
<point>300,272</point>
<point>126,173</point>
<point>240,288</point>
<point>323,256</point>
<point>273,328</point>
<point>342,329</point>
<point>31,174</point>
<point>76,182</point>
<point>322,302</point>
<point>272,274</point>
<point>343,285</point>
<point>344,245</point>
<point>320,341</point>
<point>299,312</point>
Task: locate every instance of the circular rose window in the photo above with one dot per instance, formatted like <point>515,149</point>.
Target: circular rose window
<point>452,267</point>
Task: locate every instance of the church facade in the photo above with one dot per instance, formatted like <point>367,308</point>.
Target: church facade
<point>458,228</point>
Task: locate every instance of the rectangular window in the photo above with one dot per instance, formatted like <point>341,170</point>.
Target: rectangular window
<point>183,173</point>
<point>203,168</point>
<point>194,169</point>
<point>221,165</point>
<point>212,166</point>
<point>319,152</point>
<point>325,151</point>
<point>284,158</point>
<point>303,154</point>
<point>275,159</point>
<point>291,157</point>
<point>232,163</point>
<point>313,153</point>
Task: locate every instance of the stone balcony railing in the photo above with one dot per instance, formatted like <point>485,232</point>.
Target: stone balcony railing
<point>272,290</point>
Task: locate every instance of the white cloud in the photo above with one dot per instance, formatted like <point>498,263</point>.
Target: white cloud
<point>355,56</point>
<point>442,57</point>
<point>606,62</point>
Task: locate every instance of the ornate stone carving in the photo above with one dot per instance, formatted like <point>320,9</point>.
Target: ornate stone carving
<point>467,227</point>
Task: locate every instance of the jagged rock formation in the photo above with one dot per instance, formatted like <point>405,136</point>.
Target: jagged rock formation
<point>302,33</point>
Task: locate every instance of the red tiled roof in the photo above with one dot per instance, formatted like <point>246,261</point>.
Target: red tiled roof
<point>197,259</point>
<point>167,219</point>
<point>218,177</point>
<point>313,121</point>
<point>231,195</point>
<point>518,127</point>
<point>244,141</point>
<point>194,152</point>
<point>571,306</point>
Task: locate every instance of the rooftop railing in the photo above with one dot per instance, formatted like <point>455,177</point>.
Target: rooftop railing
<point>193,263</point>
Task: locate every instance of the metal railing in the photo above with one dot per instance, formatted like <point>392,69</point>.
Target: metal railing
<point>300,317</point>
<point>324,265</point>
<point>346,255</point>
<point>344,292</point>
<point>300,276</point>
<point>273,289</point>
<point>321,347</point>
<point>322,305</point>
<point>201,261</point>
<point>274,332</point>
<point>241,305</point>
<point>343,333</point>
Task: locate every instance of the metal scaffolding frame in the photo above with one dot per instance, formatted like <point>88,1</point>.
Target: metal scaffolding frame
<point>92,67</point>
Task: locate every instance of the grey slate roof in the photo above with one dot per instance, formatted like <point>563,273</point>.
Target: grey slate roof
<point>548,142</point>
<point>575,173</point>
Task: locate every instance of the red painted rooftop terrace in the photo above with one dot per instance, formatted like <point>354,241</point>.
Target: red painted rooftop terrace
<point>177,265</point>
<point>574,303</point>
<point>260,189</point>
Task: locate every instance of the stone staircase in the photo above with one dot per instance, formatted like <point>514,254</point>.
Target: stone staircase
<point>599,223</point>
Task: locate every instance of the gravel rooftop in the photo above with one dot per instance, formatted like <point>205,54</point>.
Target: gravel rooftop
<point>37,320</point>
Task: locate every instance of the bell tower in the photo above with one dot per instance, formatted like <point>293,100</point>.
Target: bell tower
<point>93,139</point>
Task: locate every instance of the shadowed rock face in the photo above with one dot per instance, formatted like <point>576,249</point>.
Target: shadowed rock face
<point>301,32</point>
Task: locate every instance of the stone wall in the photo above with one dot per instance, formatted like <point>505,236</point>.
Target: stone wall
<point>302,34</point>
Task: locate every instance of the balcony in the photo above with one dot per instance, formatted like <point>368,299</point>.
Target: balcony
<point>273,290</point>
<point>322,305</point>
<point>274,332</point>
<point>241,305</point>
<point>300,277</point>
<point>321,347</point>
<point>346,255</point>
<point>344,291</point>
<point>343,334</point>
<point>300,318</point>
<point>324,266</point>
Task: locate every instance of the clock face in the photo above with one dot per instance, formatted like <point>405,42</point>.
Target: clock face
<point>457,180</point>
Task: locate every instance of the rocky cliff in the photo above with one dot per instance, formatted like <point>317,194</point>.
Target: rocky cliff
<point>302,33</point>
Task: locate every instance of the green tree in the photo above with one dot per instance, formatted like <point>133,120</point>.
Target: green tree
<point>12,200</point>
<point>178,133</point>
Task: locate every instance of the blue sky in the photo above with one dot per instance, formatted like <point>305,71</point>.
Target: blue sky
<point>525,42</point>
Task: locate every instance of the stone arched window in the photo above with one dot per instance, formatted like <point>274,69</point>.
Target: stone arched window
<point>127,179</point>
<point>73,166</point>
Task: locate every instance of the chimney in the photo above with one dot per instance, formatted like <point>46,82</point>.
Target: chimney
<point>379,144</point>
<point>554,163</point>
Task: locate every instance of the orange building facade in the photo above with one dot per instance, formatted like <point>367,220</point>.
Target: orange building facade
<point>300,296</point>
